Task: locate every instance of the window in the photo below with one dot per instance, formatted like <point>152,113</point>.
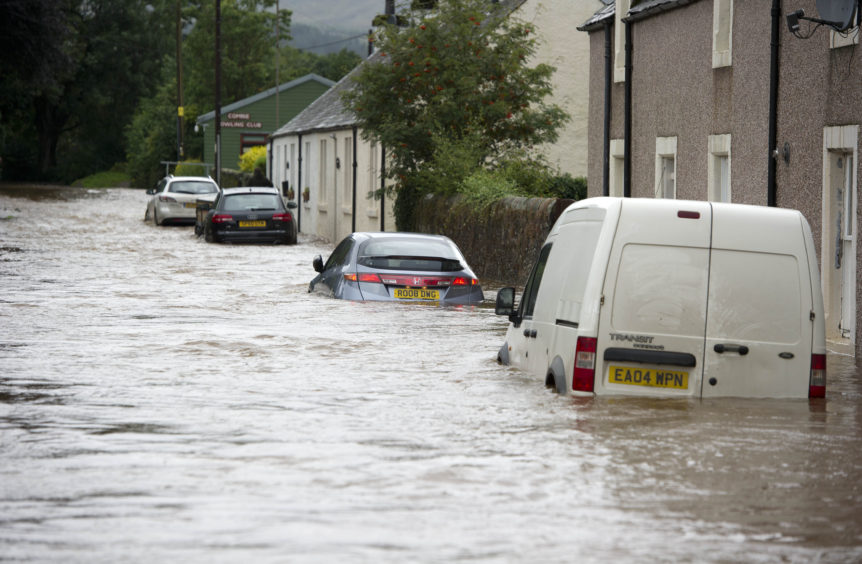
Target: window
<point>528,301</point>
<point>622,9</point>
<point>722,33</point>
<point>718,173</point>
<point>347,168</point>
<point>339,255</point>
<point>372,179</point>
<point>665,167</point>
<point>616,170</point>
<point>249,140</point>
<point>323,173</point>
<point>306,156</point>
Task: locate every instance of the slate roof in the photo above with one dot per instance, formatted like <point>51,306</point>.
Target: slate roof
<point>209,116</point>
<point>328,112</point>
<point>643,10</point>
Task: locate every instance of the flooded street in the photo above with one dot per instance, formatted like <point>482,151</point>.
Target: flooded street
<point>165,399</point>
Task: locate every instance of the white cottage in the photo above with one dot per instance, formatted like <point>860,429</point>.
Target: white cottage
<point>320,159</point>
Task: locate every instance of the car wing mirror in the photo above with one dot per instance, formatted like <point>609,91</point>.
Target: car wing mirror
<point>151,191</point>
<point>291,205</point>
<point>505,302</point>
<point>318,263</point>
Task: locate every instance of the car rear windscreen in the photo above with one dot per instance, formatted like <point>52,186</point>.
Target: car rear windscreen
<point>251,202</point>
<point>406,254</point>
<point>192,187</point>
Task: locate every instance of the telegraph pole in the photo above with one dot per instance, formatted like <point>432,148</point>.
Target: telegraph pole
<point>218,92</point>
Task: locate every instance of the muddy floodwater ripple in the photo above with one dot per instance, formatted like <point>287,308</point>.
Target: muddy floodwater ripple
<point>165,399</point>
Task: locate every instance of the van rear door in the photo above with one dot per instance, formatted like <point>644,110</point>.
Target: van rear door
<point>759,317</point>
<point>652,322</point>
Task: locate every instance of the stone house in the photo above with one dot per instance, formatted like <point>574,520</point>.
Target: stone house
<point>719,100</point>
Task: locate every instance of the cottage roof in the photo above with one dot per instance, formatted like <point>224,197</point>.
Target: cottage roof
<point>597,21</point>
<point>209,116</point>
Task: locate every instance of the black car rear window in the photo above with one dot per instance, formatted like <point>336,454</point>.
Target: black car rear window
<point>251,202</point>
<point>407,254</point>
<point>192,187</point>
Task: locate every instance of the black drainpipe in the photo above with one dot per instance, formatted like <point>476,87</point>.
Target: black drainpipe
<point>609,77</point>
<point>773,104</point>
<point>382,186</point>
<point>627,142</point>
<point>353,213</point>
<point>299,187</point>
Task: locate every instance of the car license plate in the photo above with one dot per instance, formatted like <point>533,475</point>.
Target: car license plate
<point>190,205</point>
<point>651,377</point>
<point>416,294</point>
<point>256,223</point>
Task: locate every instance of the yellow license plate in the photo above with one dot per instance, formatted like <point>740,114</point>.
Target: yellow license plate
<point>651,377</point>
<point>256,223</point>
<point>190,205</point>
<point>416,294</point>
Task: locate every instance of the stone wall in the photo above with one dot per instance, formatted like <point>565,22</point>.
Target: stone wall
<point>502,242</point>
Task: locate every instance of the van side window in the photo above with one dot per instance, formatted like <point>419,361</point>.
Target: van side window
<point>528,301</point>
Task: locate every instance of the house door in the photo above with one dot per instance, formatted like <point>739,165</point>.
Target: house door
<point>840,275</point>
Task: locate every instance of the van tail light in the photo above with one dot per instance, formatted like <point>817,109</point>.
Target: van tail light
<point>817,380</point>
<point>222,218</point>
<point>584,374</point>
<point>285,217</point>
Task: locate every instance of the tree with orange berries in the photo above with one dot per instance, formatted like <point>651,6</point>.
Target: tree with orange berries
<point>451,93</point>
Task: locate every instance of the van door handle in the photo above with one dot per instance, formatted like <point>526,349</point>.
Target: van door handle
<point>530,333</point>
<point>721,348</point>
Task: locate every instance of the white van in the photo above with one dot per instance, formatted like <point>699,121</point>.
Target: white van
<point>672,298</point>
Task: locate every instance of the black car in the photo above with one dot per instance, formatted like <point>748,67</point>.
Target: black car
<point>248,215</point>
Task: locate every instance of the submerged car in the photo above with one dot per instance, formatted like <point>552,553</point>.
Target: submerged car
<point>175,199</point>
<point>406,267</point>
<point>255,214</point>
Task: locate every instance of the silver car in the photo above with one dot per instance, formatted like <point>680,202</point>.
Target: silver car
<point>401,267</point>
<point>174,200</point>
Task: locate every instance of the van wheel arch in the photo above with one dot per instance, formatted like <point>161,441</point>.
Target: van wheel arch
<point>503,354</point>
<point>556,377</point>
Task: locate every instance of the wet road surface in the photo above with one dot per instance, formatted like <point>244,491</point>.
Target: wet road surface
<point>165,399</point>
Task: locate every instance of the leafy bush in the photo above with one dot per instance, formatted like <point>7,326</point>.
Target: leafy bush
<point>567,186</point>
<point>484,187</point>
<point>191,168</point>
<point>253,158</point>
<point>108,179</point>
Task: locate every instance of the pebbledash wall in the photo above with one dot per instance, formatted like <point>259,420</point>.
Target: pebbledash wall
<point>502,242</point>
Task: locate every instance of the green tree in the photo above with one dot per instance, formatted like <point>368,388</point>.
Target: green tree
<point>458,76</point>
<point>77,80</point>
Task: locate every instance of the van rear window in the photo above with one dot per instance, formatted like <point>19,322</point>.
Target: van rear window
<point>661,289</point>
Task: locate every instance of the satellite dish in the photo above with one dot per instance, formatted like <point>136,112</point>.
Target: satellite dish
<point>837,13</point>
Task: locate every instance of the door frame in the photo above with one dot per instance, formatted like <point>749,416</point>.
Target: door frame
<point>839,139</point>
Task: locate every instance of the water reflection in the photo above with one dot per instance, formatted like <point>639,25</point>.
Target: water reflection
<point>162,398</point>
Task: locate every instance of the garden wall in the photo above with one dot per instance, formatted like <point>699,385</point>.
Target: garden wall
<point>501,242</point>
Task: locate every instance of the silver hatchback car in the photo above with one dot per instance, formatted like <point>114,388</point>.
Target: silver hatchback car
<point>174,200</point>
<point>400,267</point>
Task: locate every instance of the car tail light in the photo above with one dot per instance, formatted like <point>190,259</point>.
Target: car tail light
<point>222,218</point>
<point>464,281</point>
<point>163,198</point>
<point>286,217</point>
<point>364,277</point>
<point>583,376</point>
<point>817,380</point>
